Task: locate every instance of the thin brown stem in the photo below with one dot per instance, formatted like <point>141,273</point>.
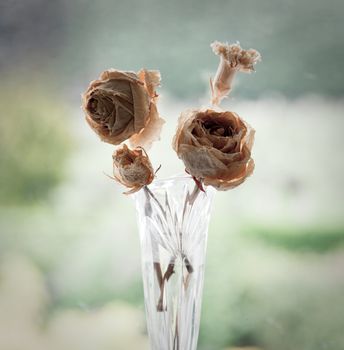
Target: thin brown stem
<point>158,272</point>
<point>163,279</point>
<point>188,265</point>
<point>148,212</point>
<point>169,272</point>
<point>155,199</point>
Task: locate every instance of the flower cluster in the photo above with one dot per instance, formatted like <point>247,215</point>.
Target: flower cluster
<point>215,145</point>
<point>120,107</point>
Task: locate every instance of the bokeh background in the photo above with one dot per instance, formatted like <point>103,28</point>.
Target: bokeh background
<point>69,247</point>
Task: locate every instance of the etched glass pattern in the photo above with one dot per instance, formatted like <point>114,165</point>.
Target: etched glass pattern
<point>173,217</point>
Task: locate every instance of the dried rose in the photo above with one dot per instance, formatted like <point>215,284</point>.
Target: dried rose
<point>132,168</point>
<point>215,147</point>
<point>122,105</point>
<point>232,60</point>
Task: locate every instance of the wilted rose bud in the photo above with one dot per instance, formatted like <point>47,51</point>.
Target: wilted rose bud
<point>215,147</point>
<point>122,105</point>
<point>232,60</point>
<point>132,168</point>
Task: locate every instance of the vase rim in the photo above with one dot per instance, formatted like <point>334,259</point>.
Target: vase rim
<point>165,181</point>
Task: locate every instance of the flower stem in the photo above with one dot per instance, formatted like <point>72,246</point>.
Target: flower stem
<point>169,272</point>
<point>163,279</point>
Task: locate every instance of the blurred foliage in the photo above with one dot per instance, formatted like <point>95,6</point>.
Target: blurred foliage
<point>256,295</point>
<point>34,143</point>
<point>307,240</point>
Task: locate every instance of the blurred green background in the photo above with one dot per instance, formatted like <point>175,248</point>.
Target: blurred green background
<point>69,248</point>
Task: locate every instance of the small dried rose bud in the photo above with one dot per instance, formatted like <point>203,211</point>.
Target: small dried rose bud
<point>215,147</point>
<point>122,105</point>
<point>132,168</point>
<point>232,59</point>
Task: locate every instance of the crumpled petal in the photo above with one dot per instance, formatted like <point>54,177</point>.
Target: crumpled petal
<point>151,132</point>
<point>151,79</point>
<point>232,60</point>
<point>225,185</point>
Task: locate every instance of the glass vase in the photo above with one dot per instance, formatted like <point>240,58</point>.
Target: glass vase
<point>173,217</point>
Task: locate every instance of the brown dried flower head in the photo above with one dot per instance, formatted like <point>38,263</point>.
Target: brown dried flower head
<point>232,60</point>
<point>132,168</point>
<point>122,105</point>
<point>215,147</point>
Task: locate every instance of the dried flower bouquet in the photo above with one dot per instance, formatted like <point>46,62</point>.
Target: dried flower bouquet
<point>215,146</point>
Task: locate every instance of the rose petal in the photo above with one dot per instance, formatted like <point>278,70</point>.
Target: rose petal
<point>200,162</point>
<point>225,185</point>
<point>119,75</point>
<point>141,106</point>
<point>151,79</point>
<point>151,131</point>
